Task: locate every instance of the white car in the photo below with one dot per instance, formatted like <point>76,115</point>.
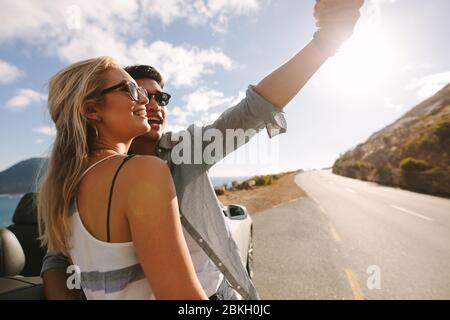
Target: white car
<point>241,228</point>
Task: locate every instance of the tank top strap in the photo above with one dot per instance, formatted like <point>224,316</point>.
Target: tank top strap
<point>108,234</point>
<point>96,163</point>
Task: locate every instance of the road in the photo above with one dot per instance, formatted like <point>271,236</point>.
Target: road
<point>350,239</point>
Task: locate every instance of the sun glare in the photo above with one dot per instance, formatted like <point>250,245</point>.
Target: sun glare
<point>363,62</point>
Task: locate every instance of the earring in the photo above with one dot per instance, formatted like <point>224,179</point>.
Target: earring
<point>96,132</point>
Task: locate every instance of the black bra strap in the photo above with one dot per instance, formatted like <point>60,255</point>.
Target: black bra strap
<point>108,235</point>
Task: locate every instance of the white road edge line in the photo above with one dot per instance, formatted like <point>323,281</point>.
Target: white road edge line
<point>411,212</point>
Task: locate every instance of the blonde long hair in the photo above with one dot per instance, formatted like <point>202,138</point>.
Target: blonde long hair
<point>69,90</point>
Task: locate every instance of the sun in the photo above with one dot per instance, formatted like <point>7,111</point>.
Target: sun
<point>364,62</point>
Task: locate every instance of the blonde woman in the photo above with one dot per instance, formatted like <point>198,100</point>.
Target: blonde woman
<point>115,216</point>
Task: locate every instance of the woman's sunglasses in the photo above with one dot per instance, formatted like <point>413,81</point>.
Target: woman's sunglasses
<point>161,98</point>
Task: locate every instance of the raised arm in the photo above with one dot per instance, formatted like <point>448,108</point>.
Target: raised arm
<point>157,233</point>
<point>263,104</point>
<point>336,20</point>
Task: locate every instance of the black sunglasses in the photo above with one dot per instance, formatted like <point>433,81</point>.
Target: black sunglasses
<point>161,98</point>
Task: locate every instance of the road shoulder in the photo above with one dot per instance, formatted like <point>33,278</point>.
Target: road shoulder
<point>258,199</point>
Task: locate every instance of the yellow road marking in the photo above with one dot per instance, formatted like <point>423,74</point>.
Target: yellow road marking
<point>356,289</point>
<point>334,233</point>
<point>322,209</point>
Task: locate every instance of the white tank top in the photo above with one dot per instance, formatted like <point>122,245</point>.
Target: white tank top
<point>108,270</point>
<point>112,271</point>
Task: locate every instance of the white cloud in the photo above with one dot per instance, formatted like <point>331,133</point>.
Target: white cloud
<point>411,67</point>
<point>24,98</point>
<point>27,19</point>
<point>391,105</point>
<point>202,107</point>
<point>208,118</point>
<point>429,85</point>
<point>8,72</point>
<point>233,6</point>
<point>174,128</point>
<point>214,12</point>
<point>39,21</point>
<point>45,130</point>
<point>117,28</point>
<point>178,115</point>
<point>240,96</point>
<point>85,44</point>
<point>204,99</point>
<point>39,141</point>
<point>181,65</point>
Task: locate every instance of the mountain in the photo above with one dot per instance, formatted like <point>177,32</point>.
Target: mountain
<point>412,153</point>
<point>21,177</point>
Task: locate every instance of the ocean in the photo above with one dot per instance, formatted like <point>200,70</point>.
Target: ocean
<point>220,181</point>
<point>8,203</point>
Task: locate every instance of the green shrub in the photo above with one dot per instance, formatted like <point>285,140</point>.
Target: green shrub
<point>263,180</point>
<point>360,165</point>
<point>387,168</point>
<point>414,142</point>
<point>443,131</point>
<point>220,191</point>
<point>411,164</point>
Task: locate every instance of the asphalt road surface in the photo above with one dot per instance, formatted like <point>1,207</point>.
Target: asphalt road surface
<point>350,239</point>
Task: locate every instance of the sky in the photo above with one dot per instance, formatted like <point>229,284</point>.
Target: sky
<point>209,51</point>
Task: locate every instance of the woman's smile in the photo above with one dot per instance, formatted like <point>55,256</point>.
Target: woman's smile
<point>141,113</point>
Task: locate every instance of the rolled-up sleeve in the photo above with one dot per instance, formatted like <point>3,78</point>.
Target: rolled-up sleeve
<point>260,109</point>
<point>252,114</point>
<point>54,262</point>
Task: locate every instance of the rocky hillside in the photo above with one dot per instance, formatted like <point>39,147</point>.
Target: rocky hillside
<point>412,153</point>
<point>21,177</point>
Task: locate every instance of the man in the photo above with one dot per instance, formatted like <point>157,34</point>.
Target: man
<point>214,253</point>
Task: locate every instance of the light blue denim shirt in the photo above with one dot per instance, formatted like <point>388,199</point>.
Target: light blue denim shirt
<point>200,211</point>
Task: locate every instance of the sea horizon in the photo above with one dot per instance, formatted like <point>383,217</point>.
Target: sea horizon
<point>9,201</point>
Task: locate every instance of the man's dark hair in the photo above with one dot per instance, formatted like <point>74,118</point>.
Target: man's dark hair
<point>145,72</point>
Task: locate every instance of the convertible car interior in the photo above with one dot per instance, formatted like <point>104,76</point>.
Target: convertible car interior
<point>21,255</point>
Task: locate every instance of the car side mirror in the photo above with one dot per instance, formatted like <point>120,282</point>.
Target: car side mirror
<point>237,212</point>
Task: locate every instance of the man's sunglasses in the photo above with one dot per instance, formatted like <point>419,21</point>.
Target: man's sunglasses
<point>161,98</point>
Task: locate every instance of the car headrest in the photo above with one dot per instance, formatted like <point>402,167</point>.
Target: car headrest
<point>12,257</point>
<point>26,211</point>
